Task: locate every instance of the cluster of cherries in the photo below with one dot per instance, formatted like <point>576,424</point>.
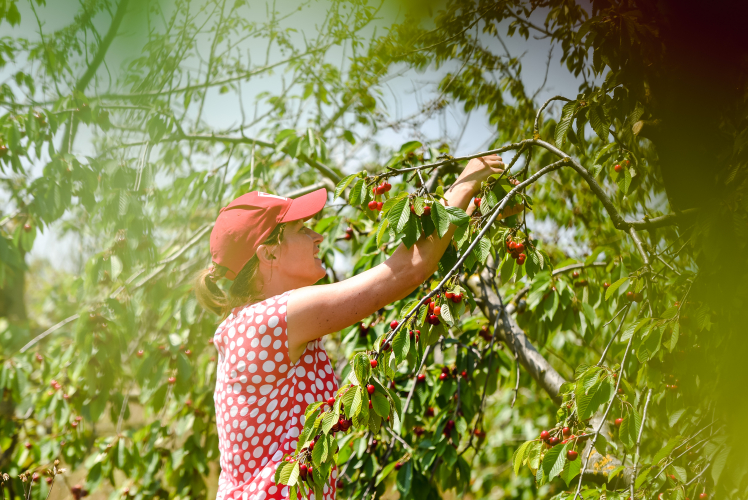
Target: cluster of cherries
<point>378,190</point>
<point>620,166</point>
<point>434,312</point>
<point>484,333</point>
<point>552,441</point>
<point>517,250</point>
<point>448,428</point>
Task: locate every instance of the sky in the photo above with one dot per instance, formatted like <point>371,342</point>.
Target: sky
<point>403,97</point>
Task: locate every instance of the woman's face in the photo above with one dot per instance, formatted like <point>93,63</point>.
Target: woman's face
<point>297,259</point>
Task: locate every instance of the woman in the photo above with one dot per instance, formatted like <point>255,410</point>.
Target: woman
<point>271,361</point>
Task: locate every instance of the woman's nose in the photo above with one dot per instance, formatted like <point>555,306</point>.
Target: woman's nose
<point>316,237</point>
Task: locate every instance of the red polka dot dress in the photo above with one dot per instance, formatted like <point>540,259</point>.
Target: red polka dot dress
<point>261,397</point>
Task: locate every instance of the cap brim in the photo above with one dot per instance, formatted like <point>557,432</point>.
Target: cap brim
<point>306,206</point>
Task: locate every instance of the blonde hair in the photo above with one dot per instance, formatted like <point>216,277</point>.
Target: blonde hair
<point>246,288</point>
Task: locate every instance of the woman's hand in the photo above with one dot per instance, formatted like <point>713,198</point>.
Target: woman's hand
<point>478,170</point>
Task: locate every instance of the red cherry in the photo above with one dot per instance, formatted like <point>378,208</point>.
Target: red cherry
<point>141,352</point>
<point>27,227</point>
<point>521,259</point>
<point>443,376</point>
<point>387,186</point>
<point>394,324</point>
<point>449,295</point>
<point>630,295</point>
<point>331,401</point>
<point>3,150</point>
<point>571,455</point>
<point>303,471</point>
<point>28,446</point>
<point>545,435</point>
<point>187,352</point>
<point>432,305</point>
<point>427,210</point>
<point>575,274</point>
<point>464,374</point>
<point>74,424</point>
<point>370,388</point>
<point>39,357</point>
<point>519,247</point>
<point>421,377</point>
<point>606,285</point>
<point>374,363</point>
<point>553,441</point>
<point>340,484</point>
<point>372,205</point>
<point>457,298</point>
<point>477,202</point>
<point>429,412</point>
<point>620,390</point>
<point>437,310</point>
<point>398,465</point>
<point>703,496</point>
<point>618,422</point>
<point>566,432</point>
<point>370,404</point>
<point>348,236</point>
<point>380,204</point>
<point>172,380</point>
<point>618,168</point>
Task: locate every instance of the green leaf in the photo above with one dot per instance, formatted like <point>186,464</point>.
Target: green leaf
<point>718,463</point>
<point>457,216</point>
<point>344,184</point>
<point>279,471</point>
<point>355,195</point>
<point>320,451</point>
<point>382,231</point>
<point>289,475</point>
<point>666,450</point>
<point>562,127</point>
<point>554,460</point>
<point>404,478</point>
<point>629,430</point>
<point>482,250</point>
<point>519,456</point>
<point>571,470</point>
<point>399,214</point>
<point>380,404</point>
<point>615,286</point>
<point>673,339</point>
<point>362,368</point>
<point>401,345</point>
<point>358,399</point>
<point>385,472</point>
<point>440,216</point>
<point>599,121</point>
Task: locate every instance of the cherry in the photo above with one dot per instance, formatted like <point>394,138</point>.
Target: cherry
<point>427,210</point>
<point>433,319</point>
<point>172,380</point>
<point>421,377</point>
<point>28,446</point>
<point>339,484</point>
<point>331,401</point>
<point>27,227</point>
<point>575,274</point>
<point>387,186</point>
<point>519,247</point>
<point>457,298</point>
<point>703,495</point>
<point>571,455</point>
<point>373,363</point>
<point>411,334</point>
<point>630,296</point>
<point>187,352</point>
<point>74,424</point>
<point>65,396</point>
<point>449,295</point>
<point>141,352</point>
<point>303,471</point>
<point>618,168</point>
<point>49,480</point>
<point>606,285</point>
<point>3,150</point>
<point>553,441</point>
<point>394,324</point>
<point>372,205</point>
<point>618,422</point>
<point>398,465</point>
<point>429,412</point>
<point>566,432</point>
<point>620,390</point>
<point>671,476</point>
<point>437,311</point>
<point>348,236</point>
<point>39,357</point>
<point>521,259</point>
<point>443,376</point>
<point>638,297</point>
<point>545,435</point>
<point>477,202</point>
<point>464,374</point>
<point>370,388</point>
<point>380,205</point>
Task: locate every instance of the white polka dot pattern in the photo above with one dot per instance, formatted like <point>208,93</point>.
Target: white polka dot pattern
<point>261,397</point>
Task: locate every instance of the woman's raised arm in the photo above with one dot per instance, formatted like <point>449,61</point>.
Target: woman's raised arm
<point>315,311</point>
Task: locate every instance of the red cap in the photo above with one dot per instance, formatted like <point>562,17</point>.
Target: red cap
<point>247,222</point>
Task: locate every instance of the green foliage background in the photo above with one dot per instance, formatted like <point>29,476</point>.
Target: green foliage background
<point>103,135</point>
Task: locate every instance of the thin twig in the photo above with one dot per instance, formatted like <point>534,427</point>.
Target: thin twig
<point>638,442</point>
<point>618,330</point>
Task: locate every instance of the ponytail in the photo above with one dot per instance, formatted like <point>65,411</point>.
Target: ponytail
<point>246,288</point>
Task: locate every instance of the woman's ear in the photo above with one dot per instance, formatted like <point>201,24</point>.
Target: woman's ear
<point>266,254</point>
